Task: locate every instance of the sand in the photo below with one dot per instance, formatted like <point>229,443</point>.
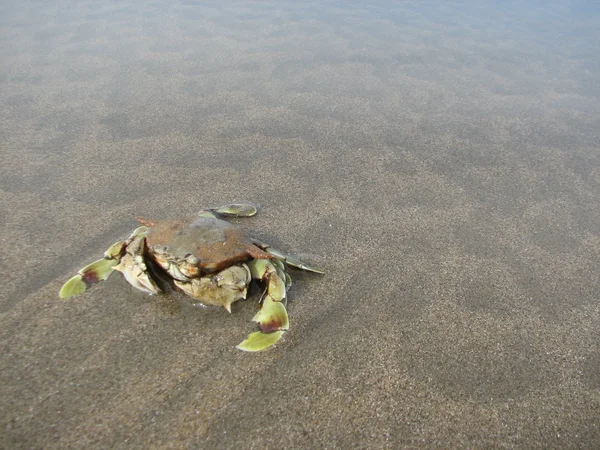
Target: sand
<point>442,164</point>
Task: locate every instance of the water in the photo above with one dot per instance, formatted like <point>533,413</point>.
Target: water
<point>439,159</point>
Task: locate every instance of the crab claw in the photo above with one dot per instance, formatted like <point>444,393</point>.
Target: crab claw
<point>136,274</point>
<point>133,266</point>
<point>222,289</point>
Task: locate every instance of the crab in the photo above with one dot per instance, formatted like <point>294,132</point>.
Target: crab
<point>207,258</point>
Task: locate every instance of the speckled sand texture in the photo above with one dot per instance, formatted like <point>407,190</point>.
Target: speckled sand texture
<point>442,163</point>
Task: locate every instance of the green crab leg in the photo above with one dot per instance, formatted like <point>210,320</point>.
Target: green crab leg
<point>272,318</point>
<point>99,270</point>
<point>92,273</point>
<point>258,341</point>
<point>290,260</point>
<point>230,210</point>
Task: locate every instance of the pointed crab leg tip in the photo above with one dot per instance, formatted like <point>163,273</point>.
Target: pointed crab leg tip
<point>258,341</point>
<point>302,266</point>
<point>73,287</point>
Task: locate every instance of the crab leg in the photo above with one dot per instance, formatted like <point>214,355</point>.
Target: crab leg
<point>101,269</point>
<point>230,210</point>
<point>272,318</point>
<point>289,260</point>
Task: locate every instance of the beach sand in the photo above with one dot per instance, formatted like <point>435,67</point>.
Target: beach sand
<point>442,164</point>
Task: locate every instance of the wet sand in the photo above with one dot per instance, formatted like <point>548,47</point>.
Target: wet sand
<point>441,163</point>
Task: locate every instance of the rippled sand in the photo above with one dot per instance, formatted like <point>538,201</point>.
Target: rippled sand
<point>441,163</point>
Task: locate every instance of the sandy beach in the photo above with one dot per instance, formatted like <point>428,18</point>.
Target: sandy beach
<point>441,163</point>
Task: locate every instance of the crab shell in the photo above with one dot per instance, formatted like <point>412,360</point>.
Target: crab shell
<point>189,247</point>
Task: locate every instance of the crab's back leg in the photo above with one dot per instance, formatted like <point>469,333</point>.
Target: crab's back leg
<point>97,271</point>
<point>92,273</point>
<point>230,210</point>
<point>290,260</point>
<point>272,318</point>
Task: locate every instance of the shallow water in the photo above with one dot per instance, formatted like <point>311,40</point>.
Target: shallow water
<point>440,160</point>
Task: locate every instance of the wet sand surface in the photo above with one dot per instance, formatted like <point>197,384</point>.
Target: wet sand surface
<point>442,163</point>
